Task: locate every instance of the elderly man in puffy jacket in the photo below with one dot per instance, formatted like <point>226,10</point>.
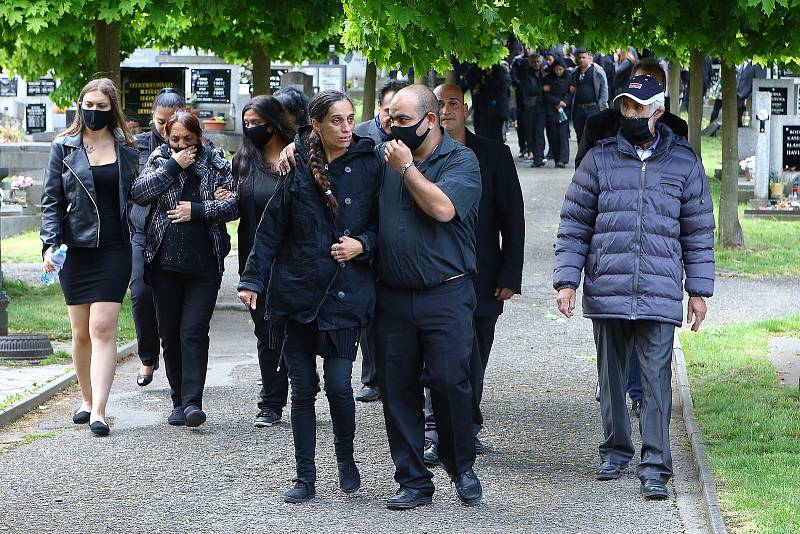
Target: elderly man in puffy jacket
<point>636,218</point>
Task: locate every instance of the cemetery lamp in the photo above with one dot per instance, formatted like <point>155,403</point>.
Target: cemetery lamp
<point>762,116</point>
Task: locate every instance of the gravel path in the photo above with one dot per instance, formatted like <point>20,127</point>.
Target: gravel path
<point>543,428</point>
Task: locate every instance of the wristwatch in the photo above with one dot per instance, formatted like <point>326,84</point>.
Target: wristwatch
<point>406,167</point>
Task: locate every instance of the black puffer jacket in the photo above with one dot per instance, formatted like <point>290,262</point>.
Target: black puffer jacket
<point>295,236</point>
<point>69,200</point>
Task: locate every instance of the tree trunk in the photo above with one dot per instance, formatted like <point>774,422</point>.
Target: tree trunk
<point>370,79</point>
<point>261,71</point>
<point>674,88</point>
<point>730,231</point>
<point>106,42</point>
<point>696,76</point>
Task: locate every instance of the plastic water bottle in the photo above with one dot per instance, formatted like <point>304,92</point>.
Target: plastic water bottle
<point>561,115</point>
<point>58,258</point>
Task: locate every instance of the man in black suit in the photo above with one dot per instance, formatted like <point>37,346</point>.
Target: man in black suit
<point>499,277</point>
<point>606,123</point>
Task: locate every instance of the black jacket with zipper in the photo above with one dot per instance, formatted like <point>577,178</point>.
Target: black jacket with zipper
<point>69,199</point>
<point>295,236</point>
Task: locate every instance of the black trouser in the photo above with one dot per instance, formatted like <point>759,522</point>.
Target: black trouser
<point>274,376</point>
<point>522,137</point>
<point>184,305</point>
<point>534,131</point>
<point>369,369</point>
<point>579,115</point>
<point>484,338</point>
<point>143,307</point>
<point>558,137</point>
<point>424,338</point>
<point>652,341</point>
<point>305,386</point>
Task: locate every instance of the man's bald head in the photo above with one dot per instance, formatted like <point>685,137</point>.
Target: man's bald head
<point>448,90</point>
<point>426,101</point>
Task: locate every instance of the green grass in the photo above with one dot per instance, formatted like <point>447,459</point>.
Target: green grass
<point>771,247</point>
<point>42,309</point>
<point>22,248</point>
<point>750,425</point>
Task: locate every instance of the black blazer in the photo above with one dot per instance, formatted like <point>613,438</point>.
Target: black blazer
<point>501,212</point>
<point>69,200</point>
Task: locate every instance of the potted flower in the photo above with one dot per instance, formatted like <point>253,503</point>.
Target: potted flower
<point>215,123</point>
<point>748,167</point>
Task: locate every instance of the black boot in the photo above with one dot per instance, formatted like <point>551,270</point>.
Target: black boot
<point>302,491</point>
<point>349,477</point>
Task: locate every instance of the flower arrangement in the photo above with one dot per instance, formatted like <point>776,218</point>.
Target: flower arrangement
<point>748,166</point>
<point>21,182</point>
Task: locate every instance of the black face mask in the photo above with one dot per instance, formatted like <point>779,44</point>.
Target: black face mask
<point>259,135</point>
<point>408,135</point>
<point>95,119</point>
<point>637,131</point>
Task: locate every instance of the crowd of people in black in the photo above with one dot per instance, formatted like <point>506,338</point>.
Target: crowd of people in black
<point>399,238</point>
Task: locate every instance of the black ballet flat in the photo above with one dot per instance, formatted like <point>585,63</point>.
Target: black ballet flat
<point>81,417</point>
<point>143,380</point>
<point>99,428</point>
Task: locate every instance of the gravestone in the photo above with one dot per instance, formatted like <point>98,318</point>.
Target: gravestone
<point>35,118</point>
<point>212,86</point>
<point>300,81</point>
<point>275,76</point>
<point>141,85</point>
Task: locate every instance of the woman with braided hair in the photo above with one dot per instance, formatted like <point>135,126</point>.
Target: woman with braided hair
<point>311,255</point>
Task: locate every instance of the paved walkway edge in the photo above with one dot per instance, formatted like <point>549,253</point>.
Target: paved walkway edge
<point>42,395</point>
<point>709,487</point>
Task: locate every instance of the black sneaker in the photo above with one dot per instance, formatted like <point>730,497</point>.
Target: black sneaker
<point>267,417</point>
<point>176,418</point>
<point>302,491</point>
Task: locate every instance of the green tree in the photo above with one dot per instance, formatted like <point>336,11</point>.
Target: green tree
<point>255,32</point>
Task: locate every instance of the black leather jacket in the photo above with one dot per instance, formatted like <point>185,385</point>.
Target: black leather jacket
<point>69,200</point>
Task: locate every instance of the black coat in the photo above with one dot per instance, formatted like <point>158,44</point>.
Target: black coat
<point>295,236</point>
<point>604,124</point>
<point>501,213</point>
<point>494,92</point>
<point>69,200</point>
<point>558,91</point>
<point>148,142</point>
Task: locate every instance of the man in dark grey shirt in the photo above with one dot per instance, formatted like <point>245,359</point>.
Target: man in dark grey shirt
<point>428,209</point>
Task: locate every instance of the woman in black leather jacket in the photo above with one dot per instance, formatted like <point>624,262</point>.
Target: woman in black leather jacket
<point>84,200</point>
<point>311,258</point>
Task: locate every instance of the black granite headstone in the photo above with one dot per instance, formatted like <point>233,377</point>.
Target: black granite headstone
<point>780,99</point>
<point>791,147</point>
<point>43,87</point>
<point>212,86</point>
<point>8,87</point>
<point>140,87</point>
<point>35,118</point>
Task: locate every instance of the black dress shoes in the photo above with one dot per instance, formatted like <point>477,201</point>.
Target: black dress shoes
<point>99,428</point>
<point>302,491</point>
<point>81,417</point>
<point>176,418</point>
<point>194,416</point>
<point>609,471</point>
<point>408,498</point>
<point>143,380</point>
<point>431,454</point>
<point>655,490</point>
<point>468,487</point>
<point>349,477</point>
<point>368,394</point>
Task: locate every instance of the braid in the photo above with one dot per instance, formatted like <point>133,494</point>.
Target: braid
<point>316,159</point>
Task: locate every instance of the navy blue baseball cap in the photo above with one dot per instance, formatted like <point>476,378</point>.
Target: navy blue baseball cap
<point>642,89</point>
